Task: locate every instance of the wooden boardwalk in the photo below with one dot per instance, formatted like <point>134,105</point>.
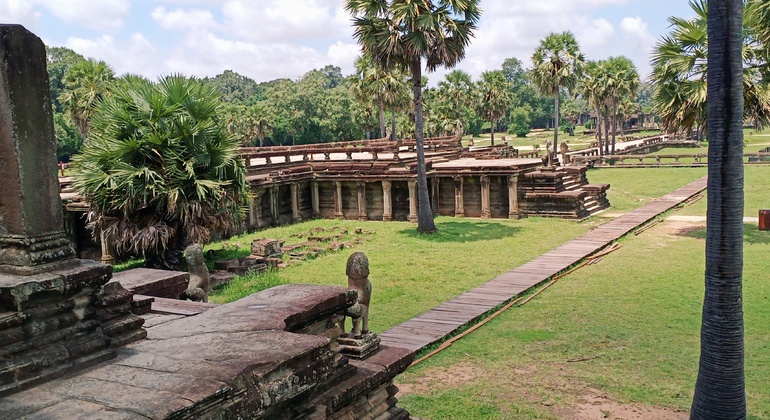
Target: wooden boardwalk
<point>441,321</point>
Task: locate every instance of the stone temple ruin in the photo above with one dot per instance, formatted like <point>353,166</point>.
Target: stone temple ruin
<point>72,348</point>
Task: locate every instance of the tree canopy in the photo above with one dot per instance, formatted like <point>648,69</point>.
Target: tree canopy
<point>160,170</point>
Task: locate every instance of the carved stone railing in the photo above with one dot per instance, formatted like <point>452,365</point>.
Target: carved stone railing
<point>700,159</point>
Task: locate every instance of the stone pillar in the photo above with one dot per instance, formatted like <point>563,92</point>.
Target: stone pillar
<point>256,207</point>
<point>295,196</point>
<point>513,197</point>
<point>315,199</point>
<point>32,238</point>
<point>361,186</point>
<point>274,211</point>
<point>338,214</point>
<point>459,204</point>
<point>387,203</point>
<point>435,195</point>
<point>413,201</point>
<point>486,212</point>
<point>107,248</point>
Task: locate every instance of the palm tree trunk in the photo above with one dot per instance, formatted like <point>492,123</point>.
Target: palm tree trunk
<point>492,128</point>
<point>555,127</point>
<point>424,213</point>
<point>381,106</point>
<point>392,125</point>
<point>720,390</point>
<point>614,125</point>
<point>599,129</point>
<point>607,133</point>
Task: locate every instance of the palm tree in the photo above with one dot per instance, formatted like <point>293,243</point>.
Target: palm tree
<point>397,96</point>
<point>495,97</point>
<point>370,83</point>
<point>557,62</point>
<point>592,87</point>
<point>680,70</point>
<point>720,390</point>
<point>85,83</point>
<point>400,33</point>
<point>160,170</point>
<point>622,82</point>
<point>258,123</point>
<point>456,95</point>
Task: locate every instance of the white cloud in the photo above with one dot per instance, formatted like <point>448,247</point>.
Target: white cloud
<point>134,55</point>
<point>172,20</point>
<point>284,20</point>
<point>103,15</point>
<point>20,12</point>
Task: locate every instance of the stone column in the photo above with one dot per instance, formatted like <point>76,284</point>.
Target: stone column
<point>486,212</point>
<point>107,247</point>
<point>256,207</point>
<point>387,203</point>
<point>413,201</point>
<point>361,185</point>
<point>459,204</point>
<point>338,214</point>
<point>513,197</point>
<point>435,195</point>
<point>32,238</point>
<point>295,215</point>
<point>274,212</point>
<point>315,199</point>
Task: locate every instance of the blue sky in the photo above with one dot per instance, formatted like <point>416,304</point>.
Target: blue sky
<point>268,39</point>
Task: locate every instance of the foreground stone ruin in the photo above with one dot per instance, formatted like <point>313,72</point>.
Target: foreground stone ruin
<point>71,348</point>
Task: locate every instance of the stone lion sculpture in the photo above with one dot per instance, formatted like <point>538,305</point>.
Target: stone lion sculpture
<point>357,271</point>
<point>200,283</point>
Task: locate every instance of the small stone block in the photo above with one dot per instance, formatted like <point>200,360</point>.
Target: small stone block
<point>358,348</point>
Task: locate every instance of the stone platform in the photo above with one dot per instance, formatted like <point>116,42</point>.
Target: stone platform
<point>269,355</point>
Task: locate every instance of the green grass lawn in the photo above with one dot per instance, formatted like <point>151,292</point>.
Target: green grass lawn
<point>635,316</point>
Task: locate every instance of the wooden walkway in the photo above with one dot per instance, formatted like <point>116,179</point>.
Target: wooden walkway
<point>441,321</point>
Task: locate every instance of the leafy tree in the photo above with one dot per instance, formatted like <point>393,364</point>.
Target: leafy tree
<point>680,70</point>
<point>233,87</point>
<point>519,121</point>
<point>456,100</point>
<point>557,62</point>
<point>68,140</point>
<point>159,170</point>
<point>370,84</point>
<point>571,111</point>
<point>85,84</point>
<point>400,33</point>
<point>720,390</point>
<point>495,98</point>
<point>59,60</point>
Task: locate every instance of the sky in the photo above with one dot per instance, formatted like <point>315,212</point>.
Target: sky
<point>270,39</point>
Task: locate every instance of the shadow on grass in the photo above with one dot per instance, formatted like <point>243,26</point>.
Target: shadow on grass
<point>466,231</point>
<point>751,235</point>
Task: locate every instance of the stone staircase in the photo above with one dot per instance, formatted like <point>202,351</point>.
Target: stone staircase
<point>562,192</point>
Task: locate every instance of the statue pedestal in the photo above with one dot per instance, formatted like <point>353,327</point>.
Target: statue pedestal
<point>358,348</point>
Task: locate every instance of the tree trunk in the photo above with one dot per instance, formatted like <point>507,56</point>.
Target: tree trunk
<point>720,390</point>
<point>392,125</point>
<point>599,129</point>
<point>381,110</point>
<point>614,125</point>
<point>607,133</point>
<point>555,127</point>
<point>424,213</point>
<point>492,131</point>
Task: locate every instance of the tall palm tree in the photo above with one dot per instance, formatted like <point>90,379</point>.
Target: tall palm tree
<point>160,170</point>
<point>720,390</point>
<point>622,82</point>
<point>495,97</point>
<point>85,83</point>
<point>455,95</point>
<point>397,96</point>
<point>401,33</point>
<point>557,62</point>
<point>680,70</point>
<point>370,83</point>
<point>593,88</point>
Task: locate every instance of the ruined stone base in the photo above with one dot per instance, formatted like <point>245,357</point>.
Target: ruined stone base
<point>359,348</point>
<point>56,322</point>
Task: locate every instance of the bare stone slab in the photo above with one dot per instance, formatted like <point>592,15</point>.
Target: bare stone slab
<point>152,282</point>
<point>79,409</point>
